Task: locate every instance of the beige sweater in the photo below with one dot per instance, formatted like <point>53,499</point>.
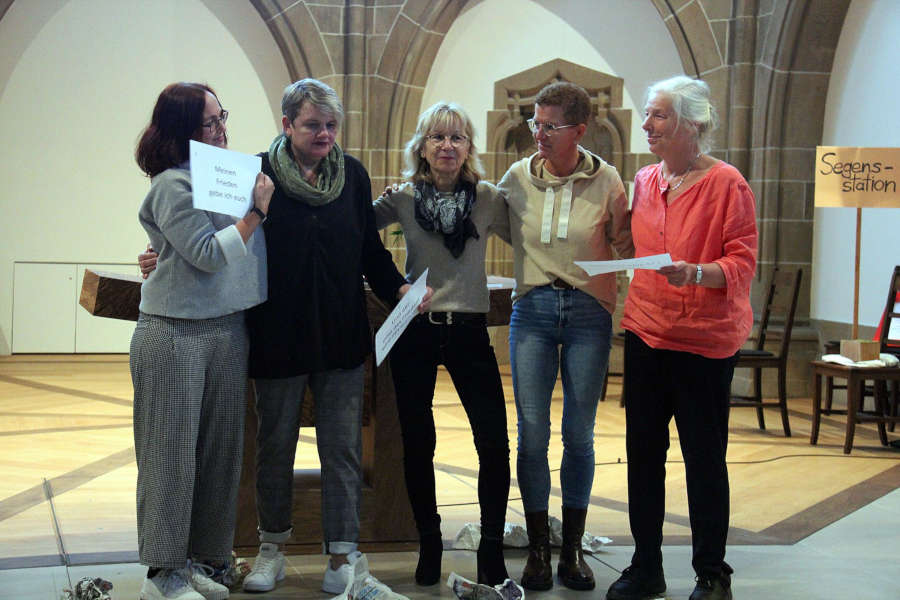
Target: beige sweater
<point>556,221</point>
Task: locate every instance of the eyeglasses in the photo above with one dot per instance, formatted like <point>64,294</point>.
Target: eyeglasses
<point>549,128</point>
<point>215,122</point>
<point>456,140</point>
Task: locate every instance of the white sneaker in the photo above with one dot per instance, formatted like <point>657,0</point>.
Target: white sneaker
<point>365,586</point>
<point>267,569</point>
<point>200,580</point>
<point>337,580</point>
<point>169,584</point>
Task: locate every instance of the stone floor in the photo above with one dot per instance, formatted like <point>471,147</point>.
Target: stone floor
<point>856,557</point>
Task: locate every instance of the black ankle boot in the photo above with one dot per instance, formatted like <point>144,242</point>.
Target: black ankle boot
<point>637,584</point>
<point>431,547</point>
<point>491,568</point>
<point>572,571</point>
<point>538,574</point>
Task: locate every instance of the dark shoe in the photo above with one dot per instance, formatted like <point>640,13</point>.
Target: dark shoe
<point>637,585</point>
<point>715,587</point>
<point>431,547</point>
<point>491,568</point>
<point>538,574</point>
<point>572,571</point>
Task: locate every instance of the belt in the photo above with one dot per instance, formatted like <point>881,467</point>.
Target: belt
<point>451,318</point>
<point>559,284</point>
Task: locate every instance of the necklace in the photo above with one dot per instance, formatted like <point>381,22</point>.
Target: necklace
<point>665,185</point>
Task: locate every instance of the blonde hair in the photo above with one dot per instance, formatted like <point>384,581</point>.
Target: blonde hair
<point>442,115</point>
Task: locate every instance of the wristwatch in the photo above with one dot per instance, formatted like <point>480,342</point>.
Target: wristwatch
<point>699,274</point>
<point>262,216</point>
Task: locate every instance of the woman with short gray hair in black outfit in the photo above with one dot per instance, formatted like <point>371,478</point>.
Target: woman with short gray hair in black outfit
<point>314,330</point>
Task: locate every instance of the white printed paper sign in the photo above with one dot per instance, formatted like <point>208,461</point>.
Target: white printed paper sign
<point>222,180</point>
<point>596,267</point>
<point>400,317</point>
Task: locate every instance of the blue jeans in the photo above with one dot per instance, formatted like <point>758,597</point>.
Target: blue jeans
<point>553,331</point>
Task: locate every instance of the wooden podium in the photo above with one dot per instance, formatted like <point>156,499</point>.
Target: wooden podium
<point>386,520</point>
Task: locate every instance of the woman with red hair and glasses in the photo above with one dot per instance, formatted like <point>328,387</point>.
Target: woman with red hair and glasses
<point>189,354</point>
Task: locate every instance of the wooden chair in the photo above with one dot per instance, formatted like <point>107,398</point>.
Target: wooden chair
<point>878,391</point>
<point>884,412</point>
<point>781,302</point>
<point>889,343</point>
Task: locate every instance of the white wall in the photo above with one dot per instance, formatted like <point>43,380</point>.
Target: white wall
<point>494,39</point>
<point>74,102</point>
<point>861,110</point>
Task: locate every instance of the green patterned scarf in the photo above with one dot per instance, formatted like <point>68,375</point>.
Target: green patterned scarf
<point>329,184</point>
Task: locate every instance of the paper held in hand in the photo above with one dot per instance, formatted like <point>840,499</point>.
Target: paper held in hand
<point>222,180</point>
<point>596,267</point>
<point>396,322</point>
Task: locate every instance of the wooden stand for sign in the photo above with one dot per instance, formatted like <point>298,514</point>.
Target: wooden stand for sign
<point>830,191</point>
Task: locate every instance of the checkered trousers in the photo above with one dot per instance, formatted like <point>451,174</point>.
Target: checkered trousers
<point>190,386</point>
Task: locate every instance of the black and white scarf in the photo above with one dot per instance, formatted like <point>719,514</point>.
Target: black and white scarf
<point>448,215</point>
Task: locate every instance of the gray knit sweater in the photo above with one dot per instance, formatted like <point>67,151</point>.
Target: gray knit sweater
<point>204,268</point>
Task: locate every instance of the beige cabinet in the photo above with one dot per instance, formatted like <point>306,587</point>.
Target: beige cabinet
<point>48,319</point>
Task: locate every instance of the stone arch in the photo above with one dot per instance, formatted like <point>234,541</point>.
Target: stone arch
<point>299,37</point>
<point>400,72</point>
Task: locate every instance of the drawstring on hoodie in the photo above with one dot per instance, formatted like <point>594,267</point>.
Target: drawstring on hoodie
<point>565,207</point>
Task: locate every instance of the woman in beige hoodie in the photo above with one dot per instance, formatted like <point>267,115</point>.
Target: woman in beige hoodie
<point>565,204</point>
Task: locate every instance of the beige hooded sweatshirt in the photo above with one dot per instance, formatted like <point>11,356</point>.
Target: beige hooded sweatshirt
<point>555,221</point>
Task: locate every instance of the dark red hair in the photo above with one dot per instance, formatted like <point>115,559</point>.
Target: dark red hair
<point>177,117</point>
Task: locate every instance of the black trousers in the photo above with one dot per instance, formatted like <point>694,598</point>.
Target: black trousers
<point>465,350</point>
<point>660,384</point>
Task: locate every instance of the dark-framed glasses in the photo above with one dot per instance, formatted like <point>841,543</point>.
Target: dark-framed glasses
<point>549,128</point>
<point>456,140</point>
<point>215,122</point>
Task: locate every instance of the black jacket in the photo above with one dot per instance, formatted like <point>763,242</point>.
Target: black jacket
<point>315,317</point>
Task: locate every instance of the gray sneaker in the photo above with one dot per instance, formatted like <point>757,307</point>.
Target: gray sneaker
<point>170,584</point>
<point>200,580</point>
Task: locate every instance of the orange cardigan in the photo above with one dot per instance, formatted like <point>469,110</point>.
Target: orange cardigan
<point>712,221</point>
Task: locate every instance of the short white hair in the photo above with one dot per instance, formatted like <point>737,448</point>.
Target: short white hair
<point>690,101</point>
